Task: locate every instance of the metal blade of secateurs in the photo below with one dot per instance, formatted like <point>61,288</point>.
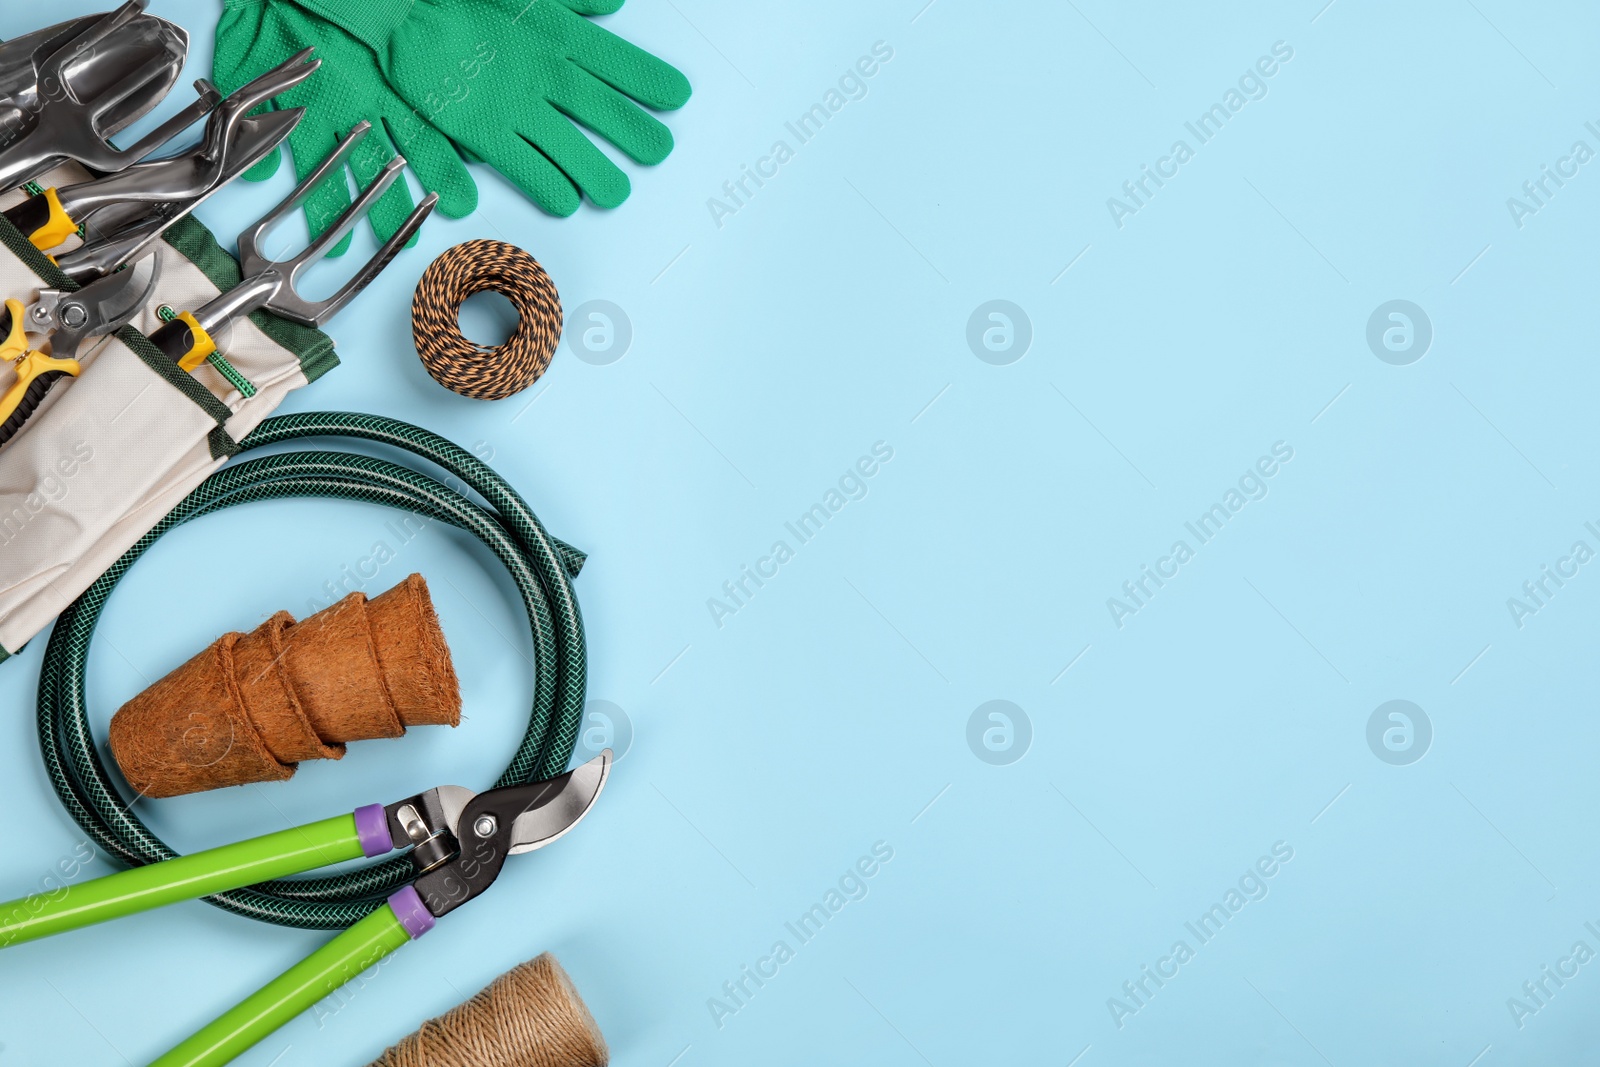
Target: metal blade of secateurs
<point>562,806</point>
<point>115,299</point>
<point>97,309</point>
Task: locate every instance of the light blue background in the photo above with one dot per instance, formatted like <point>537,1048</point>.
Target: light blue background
<point>829,313</point>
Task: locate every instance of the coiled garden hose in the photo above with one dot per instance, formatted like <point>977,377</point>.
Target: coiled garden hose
<point>540,565</point>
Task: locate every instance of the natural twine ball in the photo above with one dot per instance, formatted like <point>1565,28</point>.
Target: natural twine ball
<point>531,1016</point>
<point>485,372</point>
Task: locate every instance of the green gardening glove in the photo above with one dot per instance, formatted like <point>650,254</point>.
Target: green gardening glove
<point>256,35</point>
<point>507,79</point>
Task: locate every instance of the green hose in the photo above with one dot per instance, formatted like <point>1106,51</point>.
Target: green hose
<point>540,565</point>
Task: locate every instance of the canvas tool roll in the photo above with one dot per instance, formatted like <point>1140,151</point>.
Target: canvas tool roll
<point>110,452</point>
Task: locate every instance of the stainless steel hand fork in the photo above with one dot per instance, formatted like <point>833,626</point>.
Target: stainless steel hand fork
<point>269,284</point>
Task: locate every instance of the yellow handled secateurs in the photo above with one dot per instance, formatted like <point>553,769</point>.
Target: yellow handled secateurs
<point>68,319</point>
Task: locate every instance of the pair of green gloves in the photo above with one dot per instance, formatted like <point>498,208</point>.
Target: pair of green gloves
<point>501,81</point>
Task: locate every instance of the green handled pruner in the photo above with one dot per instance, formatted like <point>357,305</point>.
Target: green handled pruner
<point>458,842</point>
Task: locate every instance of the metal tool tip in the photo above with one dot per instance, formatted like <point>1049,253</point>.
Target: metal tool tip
<point>596,770</point>
<point>557,815</point>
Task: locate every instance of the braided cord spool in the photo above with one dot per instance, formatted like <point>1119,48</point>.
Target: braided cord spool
<point>485,372</point>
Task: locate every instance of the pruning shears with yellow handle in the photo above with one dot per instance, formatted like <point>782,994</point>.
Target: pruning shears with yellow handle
<point>69,320</point>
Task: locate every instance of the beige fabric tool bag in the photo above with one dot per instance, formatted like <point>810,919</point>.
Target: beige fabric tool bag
<point>110,452</point>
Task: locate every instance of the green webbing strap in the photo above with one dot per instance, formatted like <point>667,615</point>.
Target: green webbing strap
<point>312,347</point>
<point>220,443</point>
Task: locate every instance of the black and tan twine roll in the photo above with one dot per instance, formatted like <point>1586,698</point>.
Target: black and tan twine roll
<point>485,372</point>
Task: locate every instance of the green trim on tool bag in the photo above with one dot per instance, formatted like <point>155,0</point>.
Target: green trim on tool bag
<point>312,347</point>
<point>185,383</point>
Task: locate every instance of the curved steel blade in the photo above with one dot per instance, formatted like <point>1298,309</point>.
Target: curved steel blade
<point>562,806</point>
<point>114,305</point>
<point>98,308</point>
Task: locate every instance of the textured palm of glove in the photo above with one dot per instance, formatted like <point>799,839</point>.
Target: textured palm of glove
<point>255,35</point>
<point>507,79</point>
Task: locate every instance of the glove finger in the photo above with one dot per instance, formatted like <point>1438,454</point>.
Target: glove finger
<point>622,64</point>
<point>330,198</point>
<point>616,118</point>
<point>592,7</point>
<point>367,163</point>
<point>235,59</point>
<point>590,169</point>
<point>438,166</point>
<point>530,170</point>
<point>265,167</point>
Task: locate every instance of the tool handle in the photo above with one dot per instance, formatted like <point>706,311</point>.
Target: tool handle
<point>42,220</point>
<point>19,402</point>
<point>313,978</point>
<point>200,874</point>
<point>184,341</point>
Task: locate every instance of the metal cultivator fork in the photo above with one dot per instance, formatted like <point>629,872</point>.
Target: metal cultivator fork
<point>270,284</point>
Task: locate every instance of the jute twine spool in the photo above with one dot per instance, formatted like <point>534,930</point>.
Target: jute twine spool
<point>485,372</point>
<point>531,1016</point>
